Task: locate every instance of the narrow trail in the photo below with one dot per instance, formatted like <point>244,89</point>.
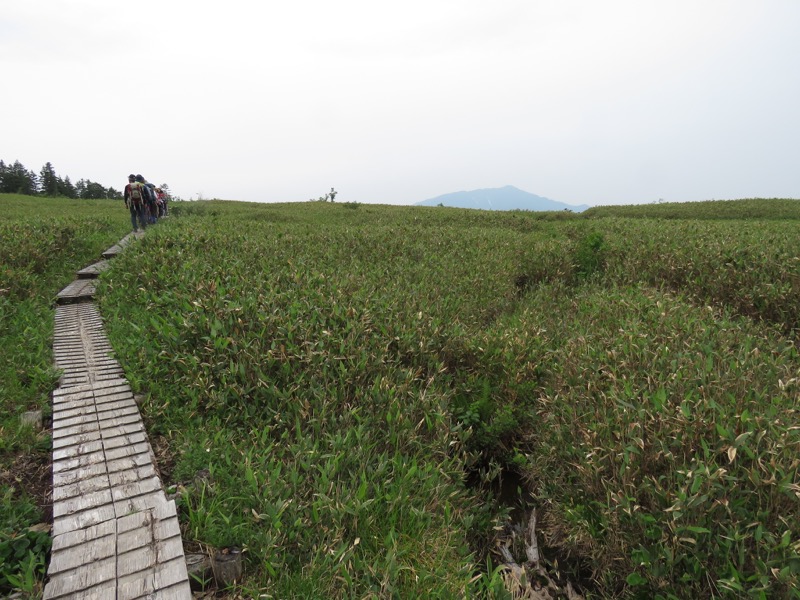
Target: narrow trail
<point>115,534</point>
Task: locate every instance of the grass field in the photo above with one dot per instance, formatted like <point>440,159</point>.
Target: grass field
<point>339,389</point>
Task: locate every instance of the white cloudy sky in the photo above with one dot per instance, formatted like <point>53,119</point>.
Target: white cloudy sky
<point>581,101</point>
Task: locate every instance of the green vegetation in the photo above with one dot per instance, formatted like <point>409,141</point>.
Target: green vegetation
<point>23,549</point>
<point>339,391</point>
<point>42,243</point>
<point>754,208</point>
<point>328,379</point>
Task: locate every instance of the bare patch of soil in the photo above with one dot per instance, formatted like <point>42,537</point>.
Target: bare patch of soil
<point>31,474</point>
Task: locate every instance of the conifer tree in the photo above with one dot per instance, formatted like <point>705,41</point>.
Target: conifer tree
<point>48,181</point>
<point>94,191</point>
<point>65,188</point>
<point>15,179</point>
<point>80,188</point>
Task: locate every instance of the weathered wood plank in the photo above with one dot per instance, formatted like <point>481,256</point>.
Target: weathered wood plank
<point>76,440</point>
<point>80,487</point>
<point>77,291</point>
<point>75,430</point>
<point>82,460</point>
<point>88,551</point>
<point>128,476</point>
<point>136,488</point>
<point>172,573</point>
<point>72,394</point>
<point>74,505</point>
<point>127,451</point>
<point>83,536</point>
<point>98,469</point>
<point>82,520</point>
<point>120,406</point>
<point>128,462</point>
<point>93,270</point>
<point>82,578</point>
<point>75,450</point>
<point>117,422</point>
<point>112,251</point>
<point>103,591</point>
<point>128,439</point>
<point>127,506</point>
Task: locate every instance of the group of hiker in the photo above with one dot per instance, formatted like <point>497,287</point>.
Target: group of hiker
<point>146,202</point>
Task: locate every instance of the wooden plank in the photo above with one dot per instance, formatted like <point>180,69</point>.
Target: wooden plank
<point>179,591</point>
<point>85,502</point>
<point>83,519</point>
<point>88,551</point>
<point>110,433</point>
<point>82,460</point>
<point>169,576</point>
<point>69,423</point>
<point>111,387</point>
<point>136,586</point>
<point>137,473</point>
<point>114,422</point>
<point>120,405</point>
<point>68,409</point>
<point>82,578</point>
<point>73,451</point>
<point>127,506</point>
<point>93,270</point>
<point>75,430</point>
<point>80,486</point>
<point>63,478</point>
<point>103,591</point>
<point>79,537</point>
<point>127,451</point>
<point>136,488</point>
<point>77,291</point>
<point>129,462</point>
<point>79,392</point>
<point>78,441</point>
<point>112,251</point>
<point>128,439</point>
<point>173,573</point>
<point>137,554</point>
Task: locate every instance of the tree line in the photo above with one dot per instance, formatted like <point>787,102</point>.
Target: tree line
<point>16,179</point>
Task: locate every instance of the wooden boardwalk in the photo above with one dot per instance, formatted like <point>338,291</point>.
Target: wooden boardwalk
<point>115,535</point>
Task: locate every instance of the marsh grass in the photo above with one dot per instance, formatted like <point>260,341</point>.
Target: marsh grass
<point>327,379</point>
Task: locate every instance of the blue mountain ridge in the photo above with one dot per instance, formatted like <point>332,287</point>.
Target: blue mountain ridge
<point>504,198</point>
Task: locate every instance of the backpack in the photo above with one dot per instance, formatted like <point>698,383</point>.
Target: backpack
<point>150,192</point>
<point>136,192</point>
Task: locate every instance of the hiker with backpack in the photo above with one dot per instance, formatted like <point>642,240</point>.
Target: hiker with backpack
<point>149,195</point>
<point>134,197</point>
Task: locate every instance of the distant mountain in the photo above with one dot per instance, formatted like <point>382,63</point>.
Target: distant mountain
<point>504,198</point>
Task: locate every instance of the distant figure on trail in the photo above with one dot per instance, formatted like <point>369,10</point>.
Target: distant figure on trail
<point>332,195</point>
<point>134,197</point>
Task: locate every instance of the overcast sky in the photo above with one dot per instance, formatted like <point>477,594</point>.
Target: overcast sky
<point>581,101</point>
